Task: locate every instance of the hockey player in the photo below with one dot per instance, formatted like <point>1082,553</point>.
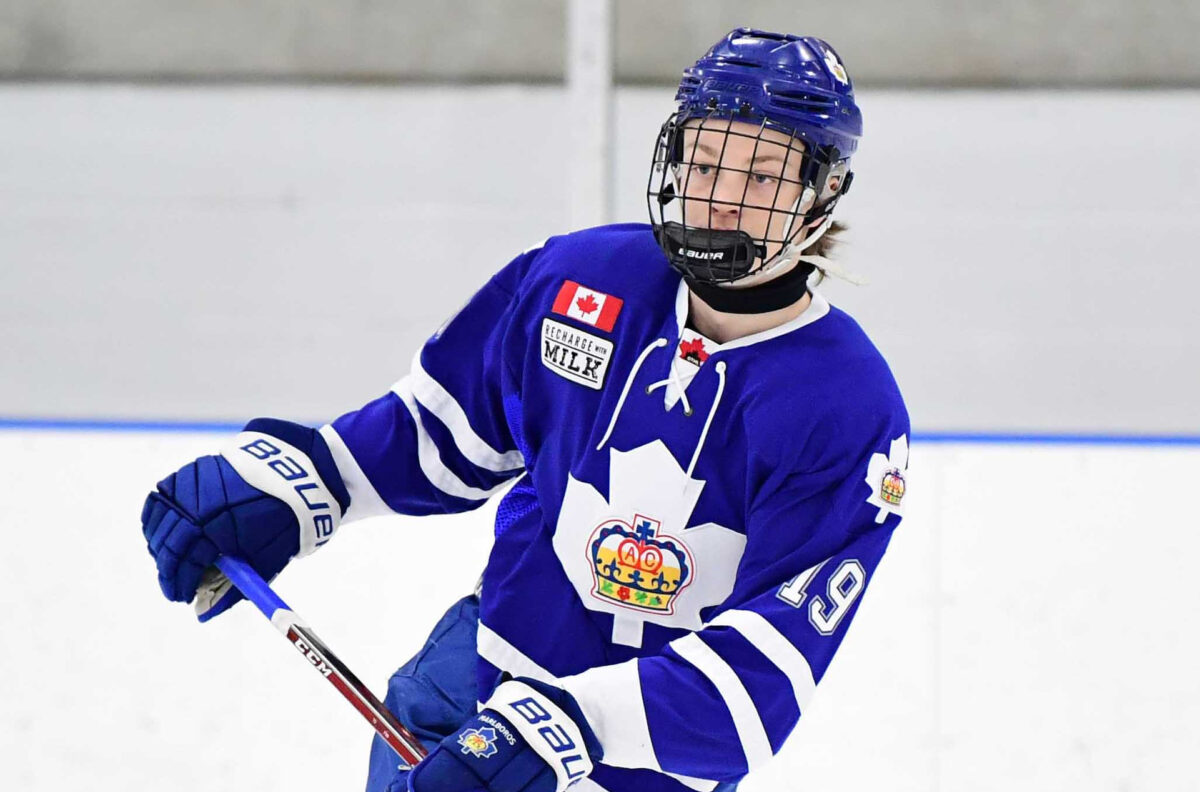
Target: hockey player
<point>709,461</point>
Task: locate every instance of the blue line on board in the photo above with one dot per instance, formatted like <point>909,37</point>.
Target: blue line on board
<point>966,438</point>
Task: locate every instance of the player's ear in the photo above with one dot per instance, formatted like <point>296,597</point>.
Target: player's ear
<point>836,181</point>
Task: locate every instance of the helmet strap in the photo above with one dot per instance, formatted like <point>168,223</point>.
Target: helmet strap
<point>792,250</point>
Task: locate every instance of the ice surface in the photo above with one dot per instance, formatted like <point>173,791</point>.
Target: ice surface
<point>1029,629</point>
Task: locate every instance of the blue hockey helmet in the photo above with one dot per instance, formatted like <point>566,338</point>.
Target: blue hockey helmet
<point>794,85</point>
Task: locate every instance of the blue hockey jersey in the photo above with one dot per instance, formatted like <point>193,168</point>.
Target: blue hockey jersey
<point>693,524</point>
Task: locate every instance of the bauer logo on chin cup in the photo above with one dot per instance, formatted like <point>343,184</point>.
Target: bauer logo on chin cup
<point>285,472</point>
<point>709,256</point>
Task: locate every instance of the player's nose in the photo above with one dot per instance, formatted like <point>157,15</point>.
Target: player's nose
<point>728,193</point>
<point>726,205</point>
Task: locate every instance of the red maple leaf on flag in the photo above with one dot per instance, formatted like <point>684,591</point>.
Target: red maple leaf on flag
<point>587,304</point>
<point>693,350</point>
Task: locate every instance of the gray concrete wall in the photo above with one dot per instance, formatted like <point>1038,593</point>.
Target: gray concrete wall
<point>942,42</point>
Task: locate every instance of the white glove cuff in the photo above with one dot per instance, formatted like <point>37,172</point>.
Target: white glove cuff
<point>549,731</point>
<point>285,472</point>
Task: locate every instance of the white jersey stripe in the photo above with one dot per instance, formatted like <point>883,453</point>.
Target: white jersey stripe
<point>746,720</point>
<point>698,784</point>
<point>435,398</point>
<point>430,459</point>
<point>500,653</point>
<point>364,498</point>
<point>611,699</point>
<point>778,649</point>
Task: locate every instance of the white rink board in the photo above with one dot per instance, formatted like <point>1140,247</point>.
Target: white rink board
<point>1030,629</point>
<point>220,252</point>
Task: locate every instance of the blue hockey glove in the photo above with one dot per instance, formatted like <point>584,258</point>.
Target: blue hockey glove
<point>530,737</point>
<point>273,493</point>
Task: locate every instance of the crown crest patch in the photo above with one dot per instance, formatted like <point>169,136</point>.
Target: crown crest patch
<point>636,567</point>
<point>887,476</point>
<point>892,489</point>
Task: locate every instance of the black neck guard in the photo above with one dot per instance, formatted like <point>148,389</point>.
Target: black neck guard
<point>770,296</point>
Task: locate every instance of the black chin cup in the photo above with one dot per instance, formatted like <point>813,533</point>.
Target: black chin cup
<point>708,256</point>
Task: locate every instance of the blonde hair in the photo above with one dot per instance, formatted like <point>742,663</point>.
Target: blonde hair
<point>828,242</point>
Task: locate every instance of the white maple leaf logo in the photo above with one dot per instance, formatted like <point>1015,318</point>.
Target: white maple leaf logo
<point>646,480</point>
<point>887,478</point>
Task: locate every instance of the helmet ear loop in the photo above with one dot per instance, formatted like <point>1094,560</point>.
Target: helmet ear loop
<point>824,265</point>
<point>817,210</point>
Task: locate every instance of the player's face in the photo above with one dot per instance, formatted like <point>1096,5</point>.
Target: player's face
<point>737,176</point>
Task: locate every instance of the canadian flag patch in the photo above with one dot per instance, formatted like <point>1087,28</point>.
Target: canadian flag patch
<point>588,305</point>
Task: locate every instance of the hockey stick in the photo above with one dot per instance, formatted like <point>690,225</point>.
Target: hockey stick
<point>250,583</point>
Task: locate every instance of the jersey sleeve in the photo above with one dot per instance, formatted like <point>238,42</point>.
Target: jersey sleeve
<point>439,441</point>
<point>719,702</point>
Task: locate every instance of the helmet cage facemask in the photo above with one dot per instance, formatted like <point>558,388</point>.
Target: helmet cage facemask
<point>713,256</point>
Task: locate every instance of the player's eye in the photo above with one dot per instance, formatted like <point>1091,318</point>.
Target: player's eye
<point>703,170</point>
<point>763,179</point>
